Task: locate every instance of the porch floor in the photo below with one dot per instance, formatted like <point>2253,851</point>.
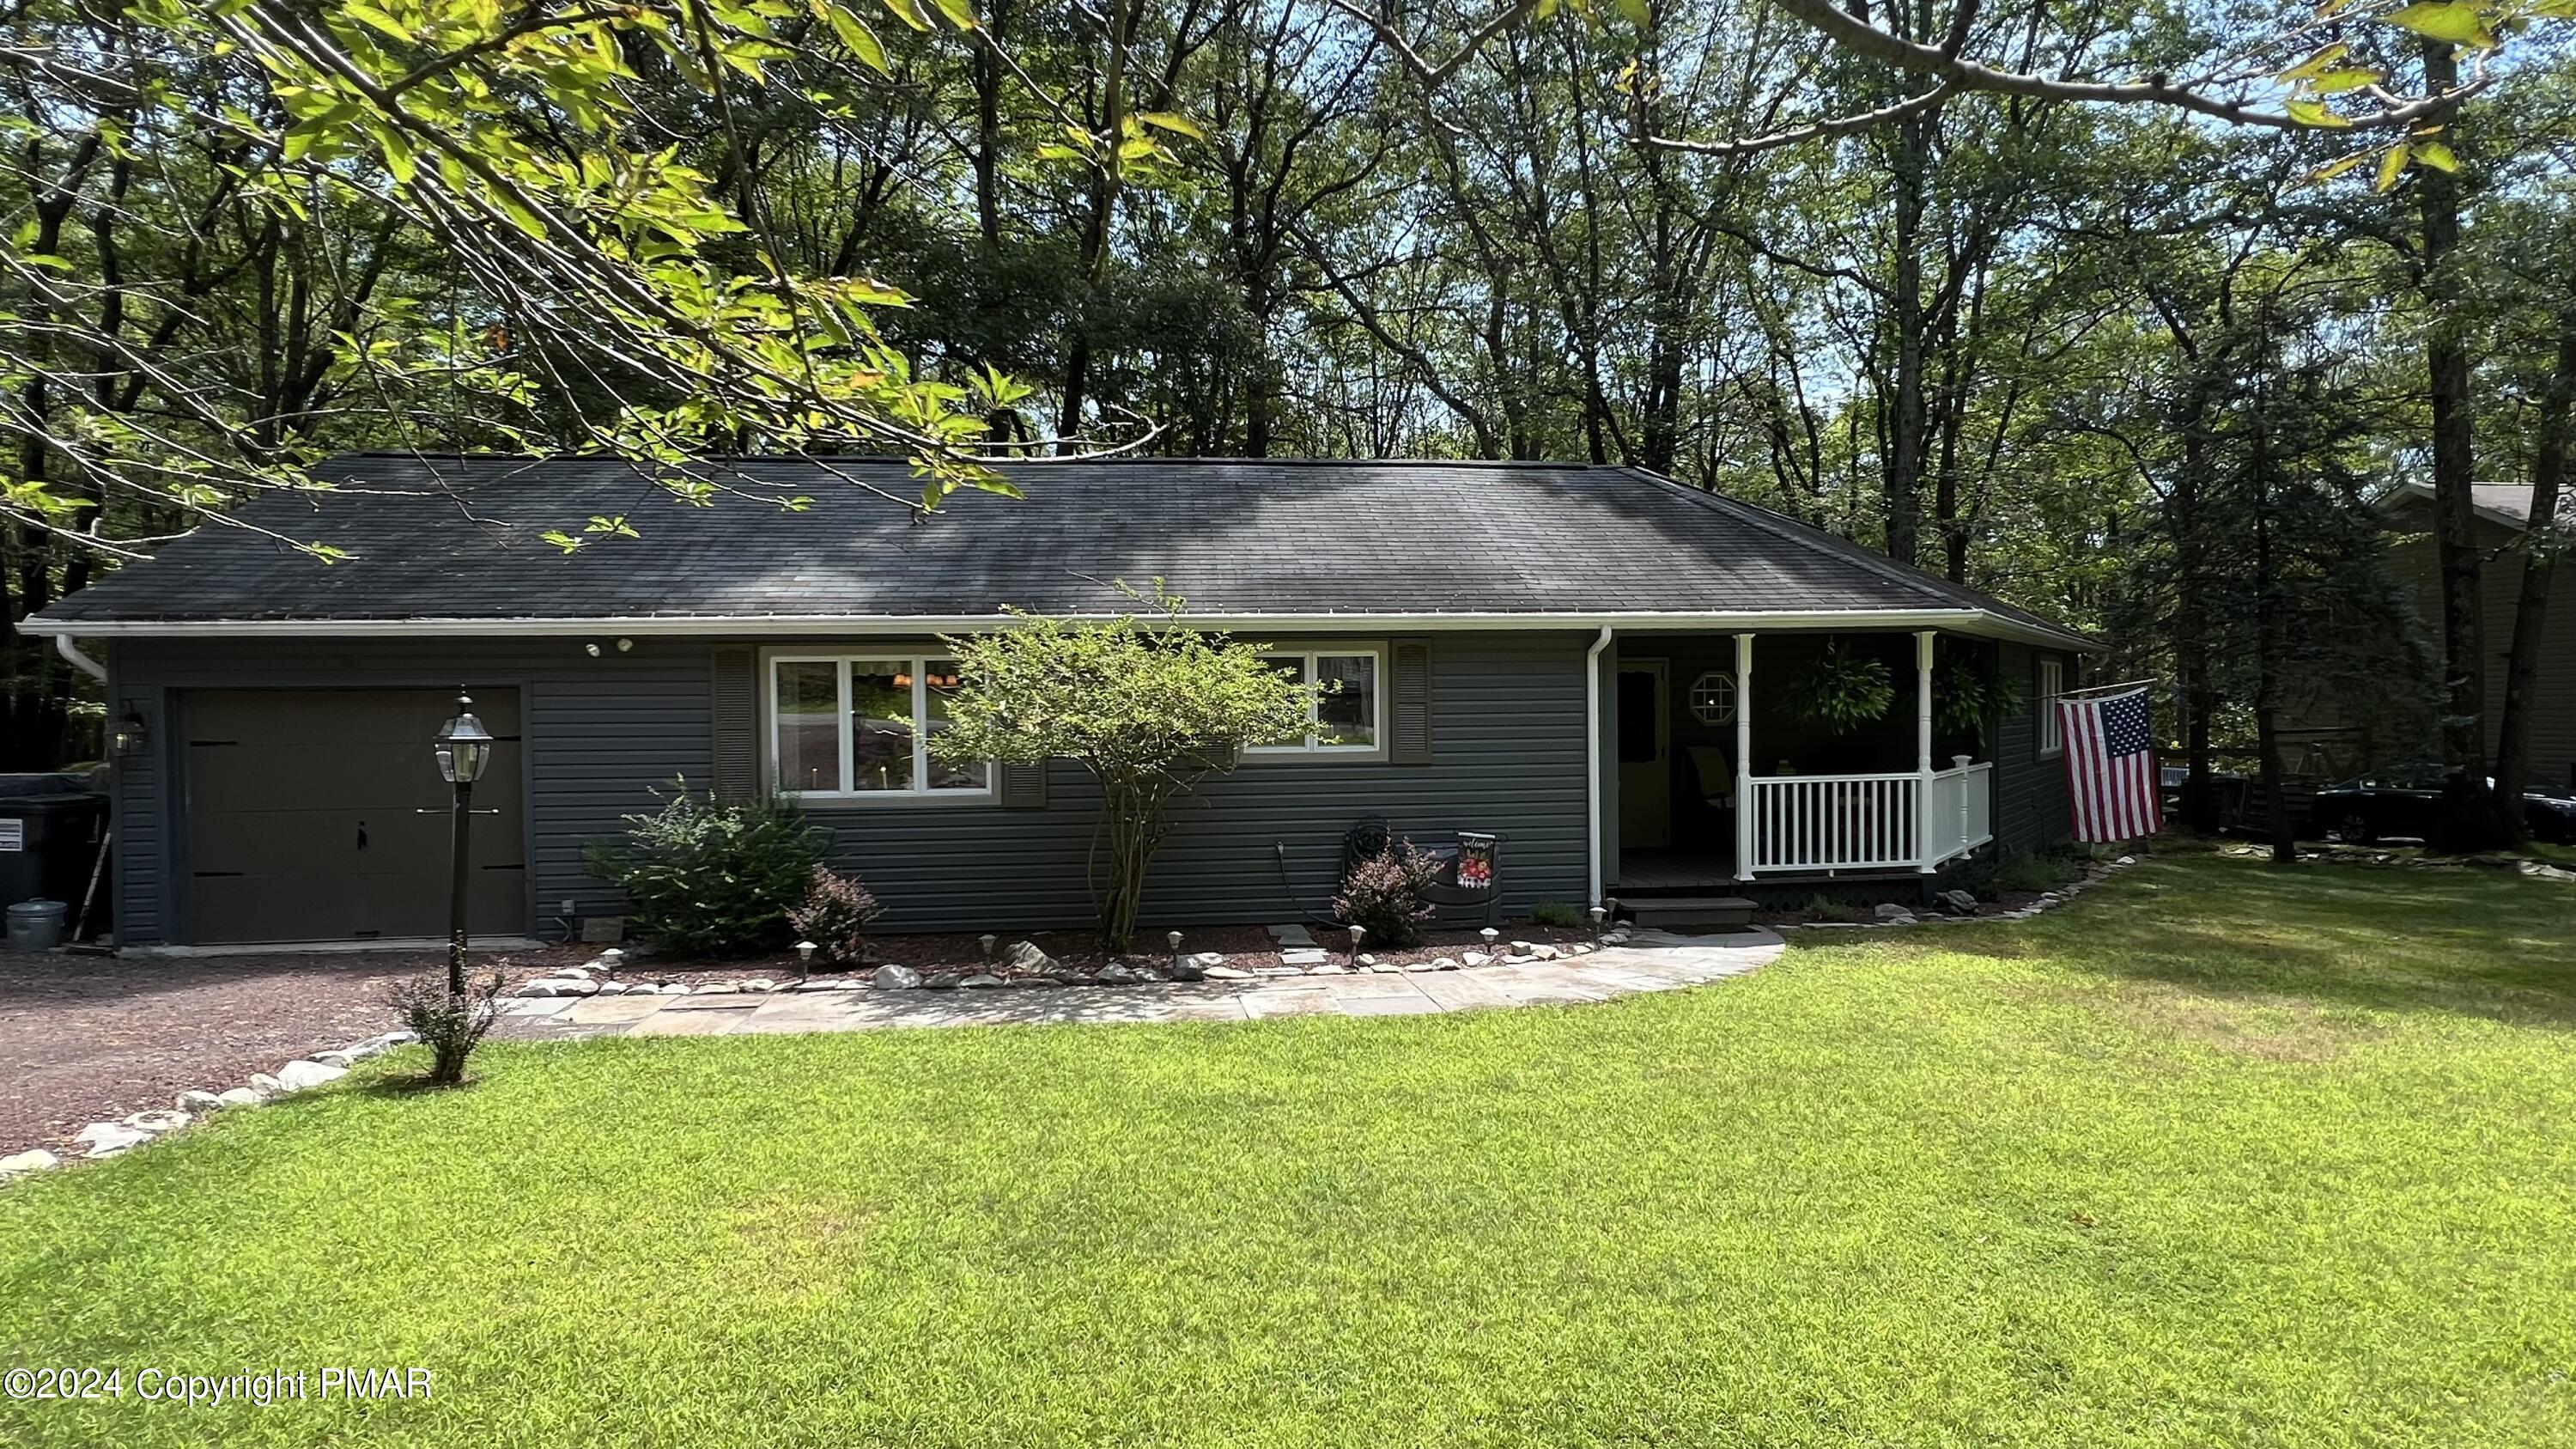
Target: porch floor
<point>1673,869</point>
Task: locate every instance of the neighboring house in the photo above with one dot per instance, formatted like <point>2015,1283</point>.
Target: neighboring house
<point>1585,660</point>
<point>2503,522</point>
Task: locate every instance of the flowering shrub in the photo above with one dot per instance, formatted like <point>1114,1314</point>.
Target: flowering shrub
<point>835,916</point>
<point>1384,895</point>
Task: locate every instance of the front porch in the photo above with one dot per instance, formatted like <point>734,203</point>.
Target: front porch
<point>1724,779</point>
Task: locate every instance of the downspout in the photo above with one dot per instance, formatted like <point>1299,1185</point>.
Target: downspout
<point>1592,758</point>
<point>64,646</point>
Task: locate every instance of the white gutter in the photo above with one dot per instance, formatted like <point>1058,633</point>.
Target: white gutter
<point>1592,760</point>
<point>64,646</point>
<point>1964,621</point>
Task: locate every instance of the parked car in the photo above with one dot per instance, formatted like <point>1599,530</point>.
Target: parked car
<point>2405,800</point>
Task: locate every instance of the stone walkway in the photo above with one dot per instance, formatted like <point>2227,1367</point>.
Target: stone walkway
<point>1651,961</point>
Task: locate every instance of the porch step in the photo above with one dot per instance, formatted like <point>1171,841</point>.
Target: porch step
<point>1689,910</point>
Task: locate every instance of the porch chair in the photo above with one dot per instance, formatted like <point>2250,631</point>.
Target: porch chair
<point>1716,776</point>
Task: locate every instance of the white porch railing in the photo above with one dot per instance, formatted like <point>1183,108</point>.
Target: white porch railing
<point>1866,822</point>
<point>1961,816</point>
<point>1833,822</point>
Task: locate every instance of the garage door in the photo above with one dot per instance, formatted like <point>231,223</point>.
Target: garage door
<point>319,815</point>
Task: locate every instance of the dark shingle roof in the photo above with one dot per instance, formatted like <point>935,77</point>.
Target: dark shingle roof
<point>457,539</point>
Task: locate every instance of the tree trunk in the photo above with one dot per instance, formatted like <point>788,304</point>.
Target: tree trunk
<point>1904,464</point>
<point>987,156</point>
<point>2539,561</point>
<point>2267,652</point>
<point>2469,819</point>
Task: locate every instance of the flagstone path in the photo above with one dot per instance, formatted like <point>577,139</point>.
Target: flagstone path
<point>1651,961</point>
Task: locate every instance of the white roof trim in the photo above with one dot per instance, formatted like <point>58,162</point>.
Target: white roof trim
<point>1965,621</point>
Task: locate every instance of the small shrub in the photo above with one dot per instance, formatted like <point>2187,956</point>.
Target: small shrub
<point>1555,913</point>
<point>450,1026</point>
<point>835,916</point>
<point>1822,907</point>
<point>712,879</point>
<point>2040,870</point>
<point>1975,875</point>
<point>1383,894</point>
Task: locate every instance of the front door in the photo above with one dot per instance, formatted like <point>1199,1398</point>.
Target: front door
<point>1645,756</point>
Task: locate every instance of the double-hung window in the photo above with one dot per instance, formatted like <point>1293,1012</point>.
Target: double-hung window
<point>1347,714</point>
<point>2052,683</point>
<point>858,727</point>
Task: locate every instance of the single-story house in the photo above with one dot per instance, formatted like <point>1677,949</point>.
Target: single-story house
<point>1592,662</point>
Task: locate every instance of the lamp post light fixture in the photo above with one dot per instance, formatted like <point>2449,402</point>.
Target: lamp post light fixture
<point>464,749</point>
<point>1490,936</point>
<point>987,943</point>
<point>1599,915</point>
<point>1359,938</point>
<point>805,958</point>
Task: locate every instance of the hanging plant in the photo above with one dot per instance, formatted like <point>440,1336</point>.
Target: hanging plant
<point>1964,697</point>
<point>1838,692</point>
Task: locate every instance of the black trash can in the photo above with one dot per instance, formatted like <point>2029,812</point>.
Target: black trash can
<point>49,845</point>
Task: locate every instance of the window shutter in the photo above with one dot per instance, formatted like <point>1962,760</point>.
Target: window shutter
<point>1411,742</point>
<point>1023,787</point>
<point>734,715</point>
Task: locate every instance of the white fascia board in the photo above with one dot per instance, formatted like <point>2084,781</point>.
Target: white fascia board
<point>1964,621</point>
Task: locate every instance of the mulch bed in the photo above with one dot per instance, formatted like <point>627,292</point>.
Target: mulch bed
<point>1246,948</point>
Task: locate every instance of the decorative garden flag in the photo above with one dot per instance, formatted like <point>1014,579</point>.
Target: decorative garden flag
<point>2111,766</point>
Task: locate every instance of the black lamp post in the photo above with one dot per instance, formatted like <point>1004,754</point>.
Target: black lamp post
<point>463,747</point>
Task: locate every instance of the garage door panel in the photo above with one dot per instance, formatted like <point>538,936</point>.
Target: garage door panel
<point>319,815</point>
<point>395,717</point>
<point>359,776</point>
<point>323,843</point>
<point>260,908</point>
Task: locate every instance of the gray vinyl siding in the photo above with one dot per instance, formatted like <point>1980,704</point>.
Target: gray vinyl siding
<point>136,791</point>
<point>1507,726</point>
<point>602,734</point>
<point>2032,808</point>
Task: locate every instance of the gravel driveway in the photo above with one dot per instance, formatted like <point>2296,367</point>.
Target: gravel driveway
<point>91,1038</point>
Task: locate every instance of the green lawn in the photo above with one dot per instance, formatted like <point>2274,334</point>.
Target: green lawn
<point>2217,1156</point>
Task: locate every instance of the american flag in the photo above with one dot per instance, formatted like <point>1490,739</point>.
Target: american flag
<point>2111,766</point>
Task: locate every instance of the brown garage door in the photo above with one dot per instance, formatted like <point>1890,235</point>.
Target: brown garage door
<point>319,815</point>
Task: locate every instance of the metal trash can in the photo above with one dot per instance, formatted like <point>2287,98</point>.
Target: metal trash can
<point>36,925</point>
<point>49,843</point>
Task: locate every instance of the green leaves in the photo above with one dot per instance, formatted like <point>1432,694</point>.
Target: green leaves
<point>2456,21</point>
<point>1177,124</point>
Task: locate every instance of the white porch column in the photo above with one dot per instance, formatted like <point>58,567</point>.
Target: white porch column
<point>1923,750</point>
<point>1744,757</point>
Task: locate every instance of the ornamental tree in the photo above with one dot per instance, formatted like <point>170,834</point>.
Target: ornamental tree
<point>1150,708</point>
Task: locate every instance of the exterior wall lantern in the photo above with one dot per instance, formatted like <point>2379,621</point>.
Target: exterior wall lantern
<point>133,734</point>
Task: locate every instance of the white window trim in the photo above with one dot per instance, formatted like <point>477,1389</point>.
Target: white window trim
<point>1311,750</point>
<point>1726,679</point>
<point>2052,742</point>
<point>911,656</point>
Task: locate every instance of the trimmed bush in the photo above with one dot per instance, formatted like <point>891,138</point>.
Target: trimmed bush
<point>835,916</point>
<point>1555,913</point>
<point>450,1026</point>
<point>708,878</point>
<point>1383,894</point>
